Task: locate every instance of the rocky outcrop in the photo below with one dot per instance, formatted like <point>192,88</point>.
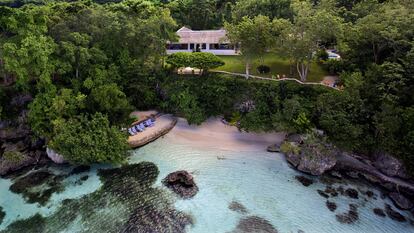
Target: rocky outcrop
<point>314,157</point>
<point>390,165</point>
<point>400,201</point>
<point>274,148</point>
<point>181,183</point>
<point>54,156</point>
<point>18,147</point>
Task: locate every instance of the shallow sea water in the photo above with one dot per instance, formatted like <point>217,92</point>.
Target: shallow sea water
<point>260,181</point>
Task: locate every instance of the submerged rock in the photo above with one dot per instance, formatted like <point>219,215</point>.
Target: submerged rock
<point>400,201</point>
<point>304,180</point>
<point>254,224</point>
<point>323,194</point>
<point>2,215</point>
<point>34,224</point>
<point>352,193</point>
<point>350,217</point>
<point>331,206</point>
<point>378,212</point>
<point>80,169</point>
<point>182,183</point>
<point>331,191</point>
<point>394,215</point>
<point>237,207</point>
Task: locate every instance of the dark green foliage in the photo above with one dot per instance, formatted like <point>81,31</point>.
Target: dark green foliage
<point>89,139</point>
<point>201,60</point>
<point>263,69</point>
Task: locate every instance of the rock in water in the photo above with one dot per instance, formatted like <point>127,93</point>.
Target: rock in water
<point>331,206</point>
<point>182,183</point>
<point>237,207</point>
<point>379,212</point>
<point>400,201</point>
<point>350,217</point>
<point>314,157</point>
<point>54,156</point>
<point>274,148</point>
<point>352,193</point>
<point>394,215</point>
<point>304,180</point>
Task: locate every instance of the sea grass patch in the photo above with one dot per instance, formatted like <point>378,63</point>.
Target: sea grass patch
<point>38,186</point>
<point>126,202</point>
<point>254,224</point>
<point>34,224</point>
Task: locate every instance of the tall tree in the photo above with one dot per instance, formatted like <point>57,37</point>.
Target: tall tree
<point>254,36</point>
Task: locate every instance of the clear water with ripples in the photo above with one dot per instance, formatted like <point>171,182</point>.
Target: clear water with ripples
<point>261,182</point>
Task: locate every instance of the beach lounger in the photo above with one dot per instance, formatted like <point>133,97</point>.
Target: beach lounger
<point>138,128</point>
<point>134,130</point>
<point>130,132</point>
<point>142,126</point>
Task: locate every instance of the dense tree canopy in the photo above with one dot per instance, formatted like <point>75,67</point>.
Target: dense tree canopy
<point>87,65</point>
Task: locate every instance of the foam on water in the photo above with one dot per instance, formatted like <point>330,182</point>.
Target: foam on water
<point>262,182</point>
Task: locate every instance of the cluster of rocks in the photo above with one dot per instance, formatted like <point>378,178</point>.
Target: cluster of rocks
<point>312,155</point>
<point>181,183</point>
<point>18,147</point>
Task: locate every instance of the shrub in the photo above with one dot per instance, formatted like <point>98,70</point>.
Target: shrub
<point>321,55</point>
<point>87,139</point>
<point>201,60</point>
<point>13,156</point>
<point>263,69</point>
<point>333,66</point>
<point>289,148</point>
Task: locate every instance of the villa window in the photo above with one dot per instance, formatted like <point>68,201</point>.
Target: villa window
<point>177,46</point>
<point>221,47</point>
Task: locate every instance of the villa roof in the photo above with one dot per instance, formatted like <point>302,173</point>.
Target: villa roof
<point>187,35</point>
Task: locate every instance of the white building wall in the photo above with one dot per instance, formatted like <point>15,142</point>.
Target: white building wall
<point>228,52</point>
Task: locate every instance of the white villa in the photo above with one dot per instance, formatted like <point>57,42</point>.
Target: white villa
<point>212,41</point>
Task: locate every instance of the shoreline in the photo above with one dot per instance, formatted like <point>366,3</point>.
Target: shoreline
<point>214,134</point>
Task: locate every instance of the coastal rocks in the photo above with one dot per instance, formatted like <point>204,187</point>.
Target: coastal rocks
<point>237,207</point>
<point>182,183</point>
<point>349,217</point>
<point>274,148</point>
<point>331,206</point>
<point>54,156</point>
<point>313,156</point>
<point>400,201</point>
<point>390,165</point>
<point>15,157</point>
<point>304,180</point>
<point>80,169</point>
<point>254,224</point>
<point>295,138</point>
<point>394,215</point>
<point>378,212</point>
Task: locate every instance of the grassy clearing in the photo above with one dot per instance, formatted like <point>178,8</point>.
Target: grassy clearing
<point>277,66</point>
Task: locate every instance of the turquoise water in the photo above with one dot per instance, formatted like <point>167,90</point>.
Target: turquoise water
<point>261,182</point>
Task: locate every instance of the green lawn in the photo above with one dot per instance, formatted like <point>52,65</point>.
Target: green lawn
<point>277,65</point>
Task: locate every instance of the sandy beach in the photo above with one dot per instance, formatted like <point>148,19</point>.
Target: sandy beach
<point>214,134</point>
